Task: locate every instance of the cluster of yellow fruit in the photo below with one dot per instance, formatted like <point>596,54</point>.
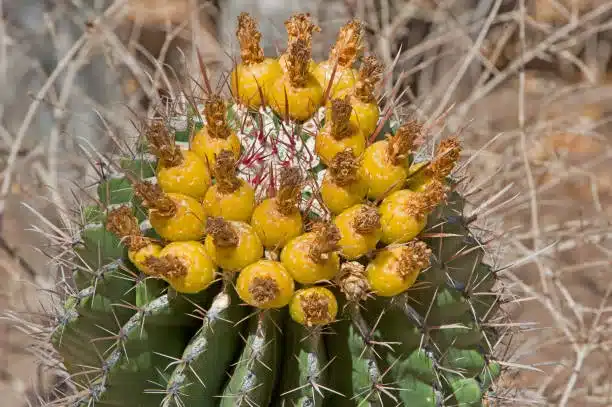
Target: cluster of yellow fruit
<point>371,193</point>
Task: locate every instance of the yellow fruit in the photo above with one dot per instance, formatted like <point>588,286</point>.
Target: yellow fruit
<point>138,257</point>
<point>265,284</point>
<point>386,162</point>
<point>251,78</point>
<point>122,223</point>
<point>313,306</point>
<point>327,146</point>
<point>404,212</point>
<point>360,230</point>
<point>381,176</point>
<point>343,184</point>
<point>278,220</point>
<point>345,51</point>
<point>311,257</point>
<point>296,102</point>
<point>338,134</point>
<point>299,27</point>
<point>185,265</point>
<point>417,177</point>
<point>249,83</point>
<point>178,217</point>
<point>230,198</point>
<point>189,177</point>
<point>208,147</point>
<point>344,78</point>
<point>394,270</point>
<point>439,168</point>
<point>274,228</point>
<point>232,245</point>
<point>364,116</point>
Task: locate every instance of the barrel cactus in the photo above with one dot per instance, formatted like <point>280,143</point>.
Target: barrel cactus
<point>285,247</point>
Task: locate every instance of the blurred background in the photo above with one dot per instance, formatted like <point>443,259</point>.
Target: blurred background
<point>527,84</point>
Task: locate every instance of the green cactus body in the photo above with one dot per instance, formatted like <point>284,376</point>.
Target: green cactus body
<point>130,338</point>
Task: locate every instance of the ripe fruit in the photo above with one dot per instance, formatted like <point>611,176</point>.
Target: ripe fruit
<point>360,230</point>
<point>341,58</point>
<point>124,225</point>
<point>178,171</point>
<point>365,107</point>
<point>312,257</point>
<point>385,162</point>
<point>395,269</point>
<point>216,135</point>
<point>175,217</point>
<point>439,168</point>
<point>296,95</point>
<point>252,78</point>
<point>278,220</point>
<point>404,212</point>
<point>299,27</point>
<point>313,306</point>
<point>339,134</point>
<point>265,284</point>
<point>185,265</point>
<point>343,184</point>
<point>232,245</point>
<point>231,197</point>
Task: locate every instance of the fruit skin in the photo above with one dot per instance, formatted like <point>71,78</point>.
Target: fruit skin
<point>353,244</point>
<point>326,146</point>
<point>237,205</point>
<point>345,78</point>
<point>208,147</point>
<point>337,198</point>
<point>188,223</point>
<point>248,250</point>
<point>382,176</point>
<point>246,81</point>
<point>398,225</point>
<point>297,311</point>
<point>266,269</point>
<point>298,262</point>
<point>200,268</point>
<point>274,228</point>
<point>191,177</point>
<point>383,276</point>
<point>298,103</point>
<point>137,257</point>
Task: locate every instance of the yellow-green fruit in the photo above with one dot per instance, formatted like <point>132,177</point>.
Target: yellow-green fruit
<point>296,103</point>
<point>190,177</point>
<point>327,146</point>
<point>304,265</point>
<point>313,306</point>
<point>364,115</point>
<point>395,269</point>
<point>360,230</point>
<point>344,78</point>
<point>273,227</point>
<point>187,223</point>
<point>208,147</point>
<point>381,175</point>
<point>417,178</point>
<point>247,248</point>
<point>399,221</point>
<point>138,257</point>
<point>338,197</point>
<point>265,284</point>
<point>199,270</point>
<point>249,83</point>
<point>237,205</point>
